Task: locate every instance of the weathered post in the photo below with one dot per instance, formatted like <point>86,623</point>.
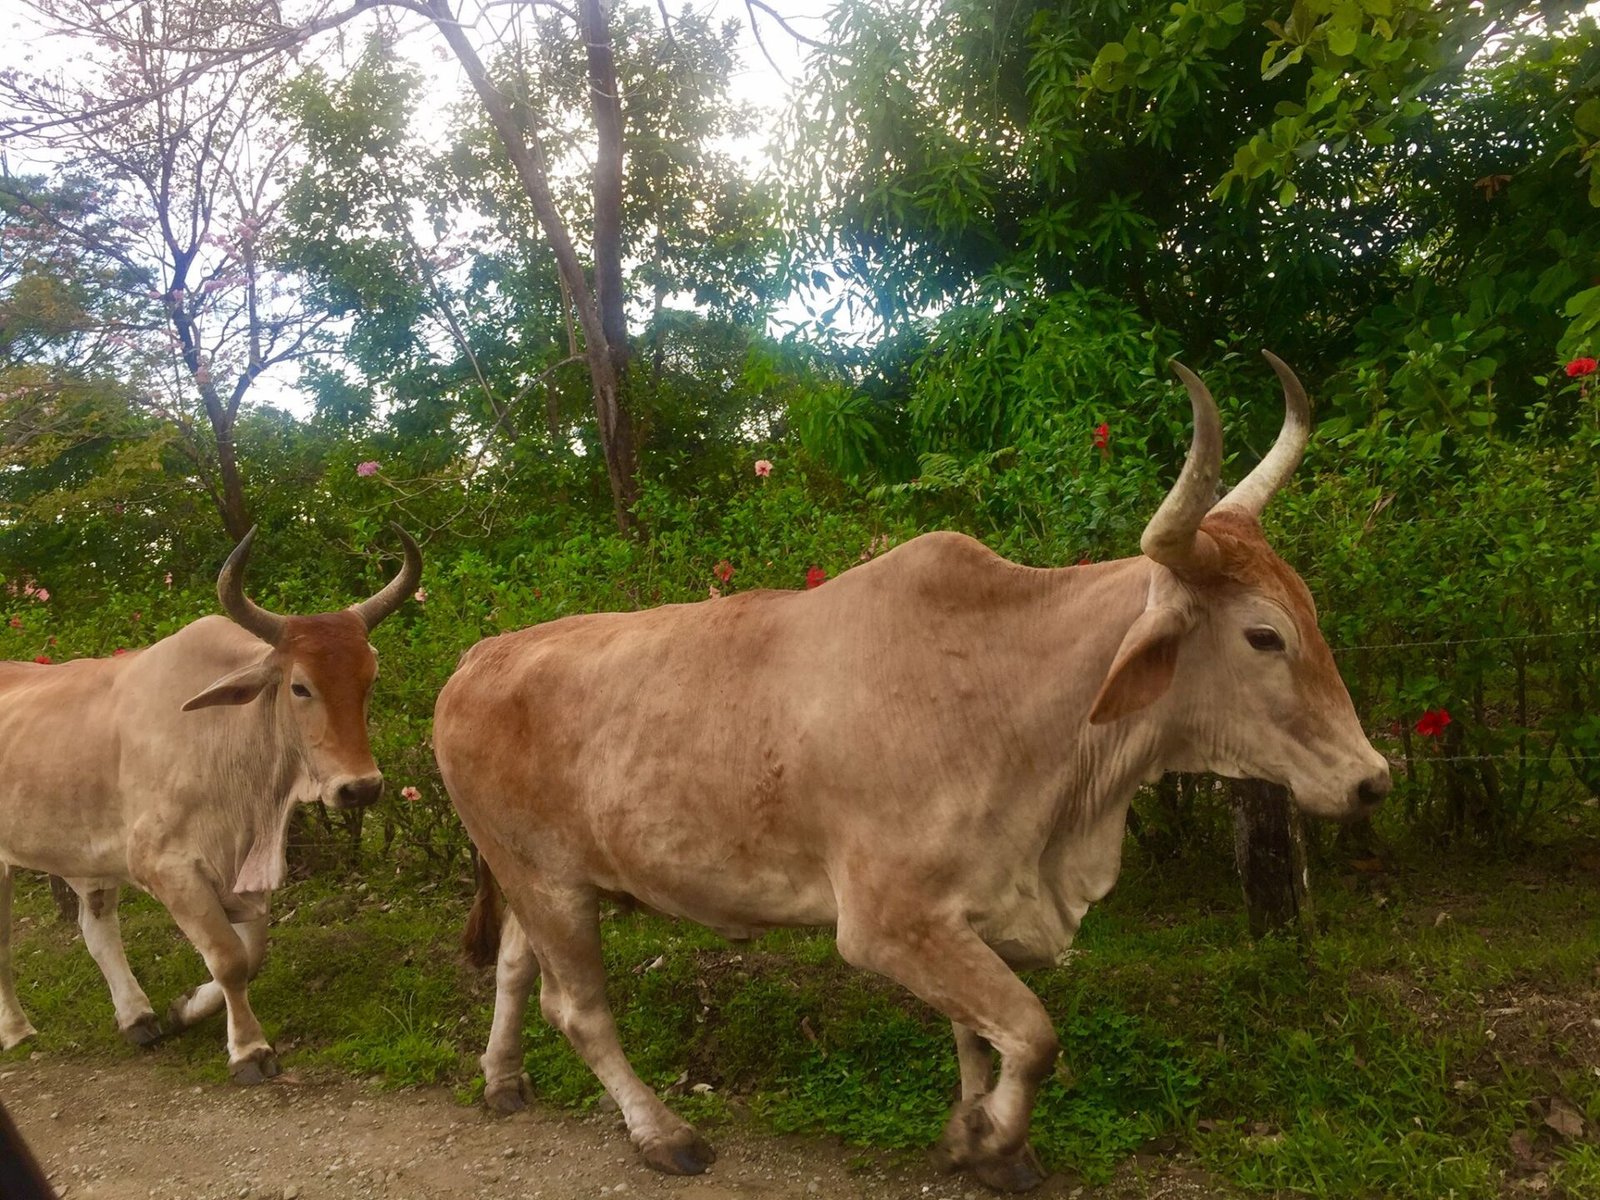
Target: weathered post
<point>1269,850</point>
<point>66,900</point>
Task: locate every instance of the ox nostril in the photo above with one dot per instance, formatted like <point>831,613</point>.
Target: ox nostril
<point>358,793</point>
<point>1371,791</point>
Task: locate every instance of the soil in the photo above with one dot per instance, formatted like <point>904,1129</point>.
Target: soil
<point>136,1130</point>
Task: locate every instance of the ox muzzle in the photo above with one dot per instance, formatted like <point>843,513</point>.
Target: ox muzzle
<point>353,791</point>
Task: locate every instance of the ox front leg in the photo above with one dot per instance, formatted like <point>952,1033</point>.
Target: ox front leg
<point>506,1088</point>
<point>102,934</point>
<point>563,930</point>
<point>196,1005</point>
<point>947,965</point>
<point>197,909</point>
<point>14,1026</point>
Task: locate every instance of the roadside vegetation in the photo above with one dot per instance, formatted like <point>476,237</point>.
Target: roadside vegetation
<point>1439,1037</point>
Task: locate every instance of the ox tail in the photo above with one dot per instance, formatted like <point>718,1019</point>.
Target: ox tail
<point>481,940</point>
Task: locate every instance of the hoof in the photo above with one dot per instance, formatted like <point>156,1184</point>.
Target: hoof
<point>175,1021</point>
<point>144,1031</point>
<point>684,1153</point>
<point>12,1039</point>
<point>257,1067</point>
<point>1020,1172</point>
<point>506,1099</point>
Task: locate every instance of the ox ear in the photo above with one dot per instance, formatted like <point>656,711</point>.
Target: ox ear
<point>239,687</point>
<point>1142,670</point>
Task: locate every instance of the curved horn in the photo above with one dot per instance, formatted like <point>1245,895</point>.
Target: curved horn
<point>1273,471</point>
<point>267,626</point>
<point>1173,537</point>
<point>375,608</point>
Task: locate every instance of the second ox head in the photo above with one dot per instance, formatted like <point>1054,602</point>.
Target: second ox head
<point>1228,639</point>
<point>319,670</point>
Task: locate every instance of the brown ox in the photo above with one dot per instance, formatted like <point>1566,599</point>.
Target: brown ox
<point>177,768</point>
<point>935,753</point>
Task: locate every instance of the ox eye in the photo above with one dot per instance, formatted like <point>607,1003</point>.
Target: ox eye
<point>1264,637</point>
<point>301,690</point>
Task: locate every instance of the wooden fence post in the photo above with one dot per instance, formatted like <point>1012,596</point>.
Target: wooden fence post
<point>1269,850</point>
<point>66,900</point>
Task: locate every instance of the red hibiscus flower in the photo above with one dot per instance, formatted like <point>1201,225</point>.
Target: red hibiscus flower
<point>1432,722</point>
<point>816,577</point>
<point>1579,367</point>
<point>43,659</point>
<point>1102,437</point>
<point>723,571</point>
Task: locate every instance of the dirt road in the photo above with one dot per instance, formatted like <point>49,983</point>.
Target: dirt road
<point>135,1130</point>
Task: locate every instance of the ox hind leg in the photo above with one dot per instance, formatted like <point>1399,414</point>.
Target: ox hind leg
<point>14,1026</point>
<point>102,934</point>
<point>976,1058</point>
<point>506,1088</point>
<point>946,964</point>
<point>563,930</point>
<point>196,907</point>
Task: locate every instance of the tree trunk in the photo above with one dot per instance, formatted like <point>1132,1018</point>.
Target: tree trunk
<point>616,430</point>
<point>1269,850</point>
<point>66,900</point>
<point>235,516</point>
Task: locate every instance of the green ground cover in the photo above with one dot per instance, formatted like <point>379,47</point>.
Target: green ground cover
<point>1427,1045</point>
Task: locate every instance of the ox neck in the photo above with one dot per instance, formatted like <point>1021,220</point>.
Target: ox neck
<point>1091,609</point>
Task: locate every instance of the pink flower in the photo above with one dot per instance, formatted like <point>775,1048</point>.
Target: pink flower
<point>420,595</point>
<point>16,622</point>
<point>41,594</point>
<point>366,469</point>
<point>763,467</point>
<point>410,795</point>
<point>1432,723</point>
<point>119,652</point>
<point>168,579</point>
<point>816,577</point>
<point>723,571</point>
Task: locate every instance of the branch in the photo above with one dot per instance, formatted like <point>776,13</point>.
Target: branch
<point>783,24</point>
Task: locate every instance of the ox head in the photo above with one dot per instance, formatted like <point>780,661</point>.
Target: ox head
<point>1228,638</point>
<point>319,670</point>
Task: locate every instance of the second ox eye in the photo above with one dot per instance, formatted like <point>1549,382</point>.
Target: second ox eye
<point>301,690</point>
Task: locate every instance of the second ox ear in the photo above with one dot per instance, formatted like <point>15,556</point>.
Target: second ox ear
<point>1142,670</point>
<point>238,687</point>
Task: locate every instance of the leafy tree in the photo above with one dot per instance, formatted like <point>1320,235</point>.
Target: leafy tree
<point>187,160</point>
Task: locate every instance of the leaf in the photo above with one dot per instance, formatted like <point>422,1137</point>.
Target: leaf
<point>1587,118</point>
<point>1564,1119</point>
<point>1342,41</point>
<point>1287,193</point>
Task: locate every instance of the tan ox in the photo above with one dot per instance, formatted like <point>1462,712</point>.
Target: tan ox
<point>935,752</point>
<point>177,768</point>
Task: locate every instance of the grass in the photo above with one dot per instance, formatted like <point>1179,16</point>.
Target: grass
<point>1442,1005</point>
